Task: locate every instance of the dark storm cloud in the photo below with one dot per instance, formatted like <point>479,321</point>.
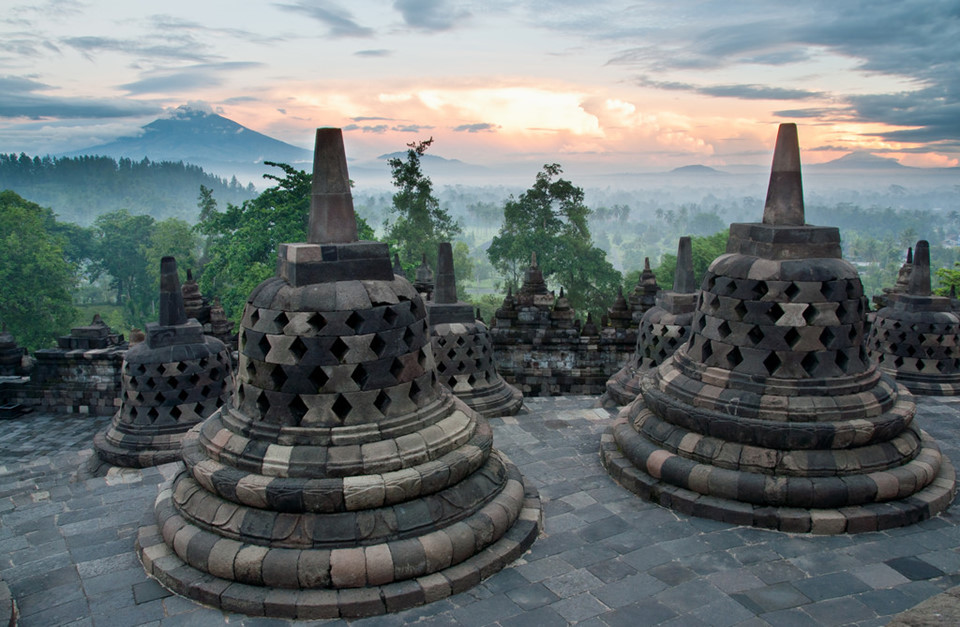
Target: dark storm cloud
<point>185,78</point>
<point>478,127</point>
<point>744,92</point>
<point>430,15</point>
<point>338,20</point>
<point>19,98</point>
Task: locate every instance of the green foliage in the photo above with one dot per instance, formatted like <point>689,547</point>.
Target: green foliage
<point>704,250</point>
<point>420,224</point>
<point>242,241</point>
<point>35,278</point>
<point>550,219</point>
<point>80,188</point>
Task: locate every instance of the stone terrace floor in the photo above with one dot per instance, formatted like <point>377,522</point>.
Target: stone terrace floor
<point>605,557</point>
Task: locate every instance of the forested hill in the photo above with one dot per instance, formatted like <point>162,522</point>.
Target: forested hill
<point>80,188</point>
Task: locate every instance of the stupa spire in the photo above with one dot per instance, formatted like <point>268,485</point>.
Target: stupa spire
<point>784,205</point>
<point>332,220</point>
<point>920,275</point>
<point>172,311</point>
<point>683,280</point>
<point>446,290</point>
<point>910,254</point>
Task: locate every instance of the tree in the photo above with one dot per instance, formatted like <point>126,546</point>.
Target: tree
<point>703,251</point>
<point>119,244</point>
<point>171,237</point>
<point>420,224</point>
<point>35,278</point>
<point>550,219</point>
<point>243,241</point>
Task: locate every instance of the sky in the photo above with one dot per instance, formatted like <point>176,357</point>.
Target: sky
<point>623,85</point>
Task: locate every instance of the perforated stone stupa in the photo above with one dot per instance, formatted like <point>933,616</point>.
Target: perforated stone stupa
<point>174,379</point>
<point>463,349</point>
<point>773,415</point>
<point>663,329</point>
<point>344,480</point>
<point>916,339</point>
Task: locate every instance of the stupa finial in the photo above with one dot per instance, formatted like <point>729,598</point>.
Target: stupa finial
<point>784,206</point>
<point>533,260</point>
<point>332,220</point>
<point>920,275</point>
<point>683,280</point>
<point>446,290</point>
<point>646,264</point>
<point>172,311</point>
<point>910,254</point>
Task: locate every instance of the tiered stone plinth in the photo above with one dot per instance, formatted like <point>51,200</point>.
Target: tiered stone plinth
<point>463,350</point>
<point>773,415</point>
<point>916,339</point>
<point>663,329</point>
<point>171,382</point>
<point>344,480</point>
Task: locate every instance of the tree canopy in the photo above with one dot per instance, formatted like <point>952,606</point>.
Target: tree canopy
<point>550,219</point>
<point>420,223</point>
<point>243,240</point>
<point>35,278</point>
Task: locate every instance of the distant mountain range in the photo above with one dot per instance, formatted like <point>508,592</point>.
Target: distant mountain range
<point>211,141</point>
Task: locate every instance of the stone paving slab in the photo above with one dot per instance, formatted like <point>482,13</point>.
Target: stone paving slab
<point>605,558</point>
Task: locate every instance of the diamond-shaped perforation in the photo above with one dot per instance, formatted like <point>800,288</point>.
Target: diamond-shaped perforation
<point>755,334</point>
<point>382,402</point>
<point>775,312</point>
<point>772,362</point>
<point>415,391</point>
<point>441,367</point>
<point>298,409</point>
<point>707,350</point>
<point>183,396</point>
<point>215,374</point>
<point>409,337</point>
<point>723,330</point>
<point>263,403</point>
<point>827,336</point>
<point>278,376</point>
<point>396,368</point>
<point>360,376</point>
<point>390,315</point>
<point>471,380</point>
<point>264,345</point>
<point>791,291</point>
<point>341,407</point>
<point>740,309</point>
<point>460,340</point>
<point>141,369</point>
<point>175,412</point>
<point>842,313</point>
<point>339,349</point>
<point>734,358</point>
<point>842,360</point>
<point>810,313</point>
<point>153,413</point>
<point>281,320</point>
<point>354,321</point>
<point>377,345</point>
<point>182,366</point>
<point>173,382</point>
<point>251,369</point>
<point>254,317</point>
<point>319,378</point>
<point>791,337</point>
<point>759,290</point>
<point>298,349</point>
<point>317,322</point>
<point>809,363</point>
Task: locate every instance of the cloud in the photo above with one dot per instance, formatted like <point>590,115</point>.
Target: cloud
<point>338,20</point>
<point>744,92</point>
<point>180,48</point>
<point>378,52</point>
<point>378,129</point>
<point>186,78</point>
<point>430,15</point>
<point>19,97</point>
<point>411,128</point>
<point>364,118</point>
<point>479,127</point>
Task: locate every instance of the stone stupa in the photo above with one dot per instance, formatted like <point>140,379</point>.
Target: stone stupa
<point>344,480</point>
<point>171,381</point>
<point>773,415</point>
<point>663,329</point>
<point>463,349</point>
<point>916,339</point>
<point>424,280</point>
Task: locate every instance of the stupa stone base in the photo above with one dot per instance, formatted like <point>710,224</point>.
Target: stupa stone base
<point>808,500</point>
<point>364,580</point>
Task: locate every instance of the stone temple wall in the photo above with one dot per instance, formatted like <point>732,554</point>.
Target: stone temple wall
<point>71,381</point>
